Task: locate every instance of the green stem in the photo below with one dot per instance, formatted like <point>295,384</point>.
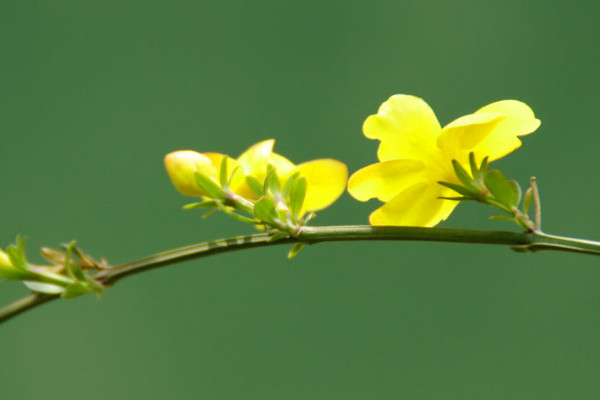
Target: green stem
<point>524,242</point>
<point>26,303</point>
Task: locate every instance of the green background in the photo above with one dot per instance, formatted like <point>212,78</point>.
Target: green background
<point>94,93</point>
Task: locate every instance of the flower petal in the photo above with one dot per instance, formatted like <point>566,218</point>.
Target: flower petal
<point>419,205</point>
<point>519,121</point>
<point>254,160</point>
<point>281,164</point>
<point>406,127</point>
<point>384,180</point>
<point>233,168</point>
<point>181,167</point>
<point>325,182</point>
<point>44,287</point>
<point>466,132</point>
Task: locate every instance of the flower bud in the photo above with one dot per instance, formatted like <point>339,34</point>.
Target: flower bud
<point>8,270</point>
<point>5,260</point>
<point>183,165</point>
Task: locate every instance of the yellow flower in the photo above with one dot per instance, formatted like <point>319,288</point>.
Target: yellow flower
<point>326,178</point>
<point>416,153</point>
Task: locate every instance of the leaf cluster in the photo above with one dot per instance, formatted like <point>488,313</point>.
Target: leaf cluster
<point>491,187</point>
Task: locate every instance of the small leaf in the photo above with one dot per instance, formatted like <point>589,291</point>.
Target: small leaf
<point>462,175</point>
<point>95,286</point>
<point>283,214</point>
<point>457,188</point>
<point>209,186</point>
<point>16,254</point>
<point>297,195</point>
<point>272,184</point>
<point>503,218</point>
<point>44,287</point>
<point>491,200</point>
<point>502,190</point>
<point>308,217</point>
<point>457,198</point>
<point>223,178</point>
<point>233,175</point>
<point>484,166</point>
<point>254,185</point>
<point>201,204</point>
<point>278,235</point>
<point>228,211</point>
<point>53,255</point>
<point>68,265</point>
<point>78,272</point>
<point>264,209</point>
<point>75,290</point>
<point>473,165</point>
<point>210,211</point>
<point>86,260</point>
<point>516,193</point>
<point>288,185</point>
<point>527,200</point>
<point>295,250</point>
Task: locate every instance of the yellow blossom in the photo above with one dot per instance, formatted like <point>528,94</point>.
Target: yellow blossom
<point>416,153</point>
<point>325,178</point>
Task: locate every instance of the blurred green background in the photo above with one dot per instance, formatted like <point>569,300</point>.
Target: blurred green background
<point>94,93</point>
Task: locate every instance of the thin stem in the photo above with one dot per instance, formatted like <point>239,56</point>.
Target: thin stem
<point>26,303</point>
<point>523,242</point>
<point>537,204</point>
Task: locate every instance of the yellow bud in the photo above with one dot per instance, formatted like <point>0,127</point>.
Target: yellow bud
<point>8,270</point>
<point>183,165</point>
<point>5,260</point>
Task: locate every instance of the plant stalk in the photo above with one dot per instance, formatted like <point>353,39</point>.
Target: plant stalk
<point>522,242</point>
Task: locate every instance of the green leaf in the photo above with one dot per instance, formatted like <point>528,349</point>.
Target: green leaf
<point>458,189</point>
<point>491,200</point>
<point>463,175</point>
<point>233,174</point>
<point>223,178</point>
<point>73,269</point>
<point>473,165</point>
<point>209,186</point>
<point>201,204</point>
<point>210,211</point>
<point>78,272</point>
<point>503,218</point>
<point>272,184</point>
<point>284,215</point>
<point>457,198</point>
<point>254,185</point>
<point>264,209</point>
<point>75,290</point>
<point>278,235</point>
<point>516,192</point>
<point>288,185</point>
<point>232,214</point>
<point>297,195</point>
<point>503,191</point>
<point>295,250</point>
<point>484,166</point>
<point>68,265</point>
<point>43,287</point>
<point>16,254</point>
